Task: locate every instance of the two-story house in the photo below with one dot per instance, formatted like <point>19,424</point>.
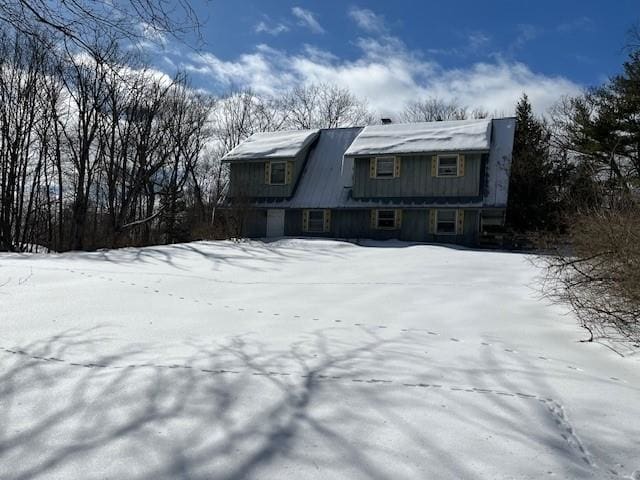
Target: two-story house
<point>437,182</point>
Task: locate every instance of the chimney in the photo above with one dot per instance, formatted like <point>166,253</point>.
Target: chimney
<point>386,121</point>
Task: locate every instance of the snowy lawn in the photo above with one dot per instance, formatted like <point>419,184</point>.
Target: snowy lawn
<point>302,359</point>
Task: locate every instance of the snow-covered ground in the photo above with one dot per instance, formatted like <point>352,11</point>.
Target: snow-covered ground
<point>302,359</point>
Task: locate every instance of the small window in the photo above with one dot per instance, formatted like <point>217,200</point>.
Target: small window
<point>384,167</point>
<point>446,222</point>
<point>447,165</point>
<point>386,219</point>
<point>315,221</point>
<point>278,173</point>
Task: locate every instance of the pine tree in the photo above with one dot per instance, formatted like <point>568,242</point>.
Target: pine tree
<point>531,205</point>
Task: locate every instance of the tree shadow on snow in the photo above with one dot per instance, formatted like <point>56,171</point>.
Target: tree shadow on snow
<point>243,410</point>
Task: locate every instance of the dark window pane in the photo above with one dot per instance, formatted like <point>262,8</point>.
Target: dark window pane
<point>384,167</point>
<point>448,166</point>
<point>446,221</point>
<point>278,172</point>
<point>316,221</point>
<point>386,218</point>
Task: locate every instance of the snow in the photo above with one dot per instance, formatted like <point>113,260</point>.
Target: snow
<point>455,135</point>
<point>499,167</point>
<point>282,144</point>
<point>306,359</point>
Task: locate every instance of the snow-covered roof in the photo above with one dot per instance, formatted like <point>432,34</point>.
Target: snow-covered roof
<point>326,180</point>
<point>282,144</point>
<point>423,137</point>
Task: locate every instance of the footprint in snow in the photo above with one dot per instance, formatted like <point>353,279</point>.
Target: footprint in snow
<point>454,339</point>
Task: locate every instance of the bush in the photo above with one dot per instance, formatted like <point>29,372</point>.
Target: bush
<point>600,276</point>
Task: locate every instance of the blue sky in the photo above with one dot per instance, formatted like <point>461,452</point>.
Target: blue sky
<point>482,54</point>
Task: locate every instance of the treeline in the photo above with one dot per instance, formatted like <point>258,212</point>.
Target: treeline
<point>575,193</point>
<point>97,149</point>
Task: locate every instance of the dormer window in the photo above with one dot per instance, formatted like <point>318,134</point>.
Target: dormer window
<point>384,167</point>
<point>278,173</point>
<point>448,165</point>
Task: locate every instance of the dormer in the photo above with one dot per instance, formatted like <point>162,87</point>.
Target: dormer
<point>268,164</point>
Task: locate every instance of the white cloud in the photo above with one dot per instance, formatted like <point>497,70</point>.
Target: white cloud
<point>277,29</point>
<point>387,75</point>
<point>307,18</point>
<point>526,33</point>
<point>367,20</point>
<point>583,23</point>
<point>152,33</point>
<point>478,40</point>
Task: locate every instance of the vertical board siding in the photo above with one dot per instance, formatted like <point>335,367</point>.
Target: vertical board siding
<point>416,180</point>
<point>293,225</point>
<point>356,224</point>
<point>248,178</point>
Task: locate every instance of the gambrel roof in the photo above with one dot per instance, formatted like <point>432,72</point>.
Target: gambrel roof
<point>327,176</point>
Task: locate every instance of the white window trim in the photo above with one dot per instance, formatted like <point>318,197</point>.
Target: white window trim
<point>395,215</point>
<point>324,219</point>
<point>457,155</point>
<point>393,166</point>
<point>455,224</point>
<point>271,163</point>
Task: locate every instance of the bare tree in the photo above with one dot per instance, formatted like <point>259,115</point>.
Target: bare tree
<point>239,115</point>
<point>22,64</point>
<point>323,106</point>
<point>78,21</point>
<point>434,109</point>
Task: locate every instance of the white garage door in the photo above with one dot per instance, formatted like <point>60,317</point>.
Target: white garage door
<point>275,223</point>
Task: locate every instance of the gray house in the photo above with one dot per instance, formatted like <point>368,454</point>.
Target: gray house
<point>441,182</point>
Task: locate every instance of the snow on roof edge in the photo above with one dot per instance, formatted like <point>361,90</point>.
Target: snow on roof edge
<point>277,144</point>
<point>406,138</point>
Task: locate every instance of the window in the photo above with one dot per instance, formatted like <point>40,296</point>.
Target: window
<point>447,165</point>
<point>385,167</point>
<point>386,219</point>
<point>278,173</point>
<point>446,222</point>
<point>315,221</point>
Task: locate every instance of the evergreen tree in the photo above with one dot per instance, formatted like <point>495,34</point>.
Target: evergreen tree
<point>604,126</point>
<point>531,205</point>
